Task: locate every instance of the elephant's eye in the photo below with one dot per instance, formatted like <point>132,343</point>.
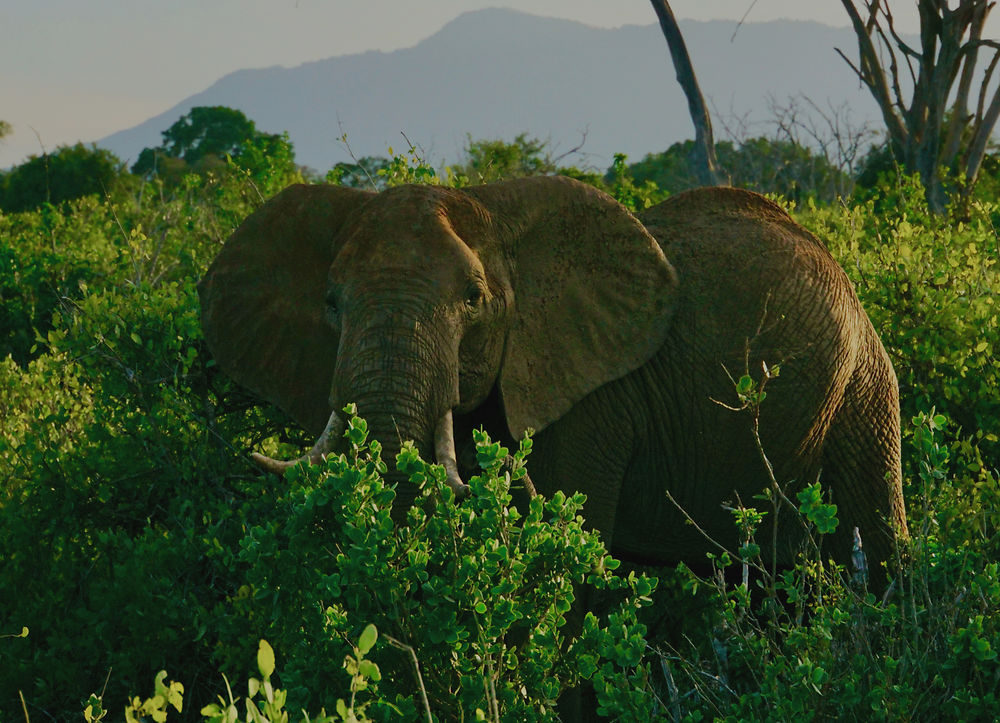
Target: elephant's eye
<point>474,295</point>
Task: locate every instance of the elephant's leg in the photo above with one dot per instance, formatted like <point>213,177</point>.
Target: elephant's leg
<point>861,464</point>
<point>588,450</point>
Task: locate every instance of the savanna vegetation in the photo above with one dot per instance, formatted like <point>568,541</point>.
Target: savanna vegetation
<point>136,537</point>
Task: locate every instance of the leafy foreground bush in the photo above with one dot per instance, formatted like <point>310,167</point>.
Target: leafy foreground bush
<point>806,643</point>
<point>135,537</point>
<point>471,601</point>
<point>473,598</point>
<point>809,644</point>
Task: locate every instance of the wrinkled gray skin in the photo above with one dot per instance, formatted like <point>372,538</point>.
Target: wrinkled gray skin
<point>543,303</point>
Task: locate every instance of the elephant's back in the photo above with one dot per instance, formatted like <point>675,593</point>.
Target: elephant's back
<point>739,255</point>
<point>730,225</point>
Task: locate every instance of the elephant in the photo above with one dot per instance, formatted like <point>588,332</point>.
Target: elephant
<point>543,304</point>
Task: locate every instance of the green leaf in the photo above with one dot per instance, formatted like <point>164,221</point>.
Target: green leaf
<point>369,670</point>
<point>367,640</point>
<point>265,659</point>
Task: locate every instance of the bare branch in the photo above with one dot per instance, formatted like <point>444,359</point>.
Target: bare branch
<point>704,142</point>
<point>987,76</point>
<point>871,72</point>
<point>574,149</point>
<point>894,64</point>
<point>968,56</point>
<point>740,23</point>
<point>350,152</point>
<point>857,71</point>
<point>977,146</point>
<point>900,43</point>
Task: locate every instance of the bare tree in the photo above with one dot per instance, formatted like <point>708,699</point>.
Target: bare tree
<point>927,134</point>
<point>705,162</point>
<point>801,144</point>
<point>829,132</point>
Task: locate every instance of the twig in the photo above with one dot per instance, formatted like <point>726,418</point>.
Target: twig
<point>575,149</point>
<point>740,23</point>
<point>675,704</point>
<point>350,152</point>
<point>416,666</point>
<point>415,148</point>
<point>711,540</point>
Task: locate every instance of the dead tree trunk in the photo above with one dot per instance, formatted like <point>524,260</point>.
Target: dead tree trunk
<point>705,163</point>
<point>926,135</point>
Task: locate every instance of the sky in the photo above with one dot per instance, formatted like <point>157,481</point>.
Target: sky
<point>79,71</point>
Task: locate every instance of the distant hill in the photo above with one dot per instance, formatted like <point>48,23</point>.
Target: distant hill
<point>496,73</point>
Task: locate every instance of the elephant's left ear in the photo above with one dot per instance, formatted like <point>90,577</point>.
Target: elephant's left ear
<point>593,294</point>
<point>262,299</point>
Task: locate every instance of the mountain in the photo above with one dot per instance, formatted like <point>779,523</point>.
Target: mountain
<point>496,73</point>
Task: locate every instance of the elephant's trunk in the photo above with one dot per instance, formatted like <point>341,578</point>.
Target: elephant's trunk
<point>400,369</point>
<point>391,428</point>
<point>402,372</point>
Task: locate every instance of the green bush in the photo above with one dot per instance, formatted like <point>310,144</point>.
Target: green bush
<point>135,537</point>
<point>112,512</point>
<point>120,492</point>
<point>46,256</point>
<point>473,598</point>
<point>68,172</point>
<point>134,540</point>
<point>821,649</point>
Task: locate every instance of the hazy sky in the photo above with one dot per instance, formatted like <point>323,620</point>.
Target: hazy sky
<point>75,70</point>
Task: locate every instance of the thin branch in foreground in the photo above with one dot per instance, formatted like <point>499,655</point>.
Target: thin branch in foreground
<point>416,666</point>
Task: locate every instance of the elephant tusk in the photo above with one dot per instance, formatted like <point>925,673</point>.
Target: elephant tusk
<point>334,429</point>
<point>444,448</point>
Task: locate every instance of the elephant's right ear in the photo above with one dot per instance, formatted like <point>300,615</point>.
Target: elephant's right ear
<point>262,299</point>
<point>594,295</point>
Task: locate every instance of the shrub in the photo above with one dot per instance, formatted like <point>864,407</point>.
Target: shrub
<point>824,650</point>
<point>68,172</point>
<point>473,599</point>
<point>135,537</point>
<point>120,495</point>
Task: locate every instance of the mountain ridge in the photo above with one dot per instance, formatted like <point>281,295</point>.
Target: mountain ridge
<point>495,73</point>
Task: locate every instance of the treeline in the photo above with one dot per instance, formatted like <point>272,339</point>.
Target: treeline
<point>135,535</point>
<point>205,139</point>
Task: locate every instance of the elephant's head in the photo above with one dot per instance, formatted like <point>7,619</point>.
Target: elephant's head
<point>422,300</point>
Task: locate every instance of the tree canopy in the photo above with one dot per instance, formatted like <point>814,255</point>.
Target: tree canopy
<point>68,172</point>
<point>201,139</point>
<point>493,159</point>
